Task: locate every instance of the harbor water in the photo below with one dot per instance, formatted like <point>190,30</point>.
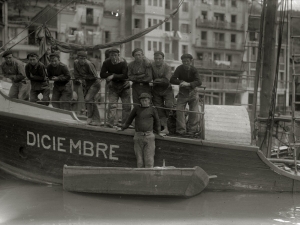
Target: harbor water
<point>23,202</point>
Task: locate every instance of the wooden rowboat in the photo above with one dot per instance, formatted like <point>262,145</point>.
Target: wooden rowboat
<point>184,182</point>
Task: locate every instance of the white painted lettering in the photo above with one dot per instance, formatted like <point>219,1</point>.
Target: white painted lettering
<point>33,142</point>
<point>111,152</point>
<point>43,144</point>
<point>72,145</point>
<point>103,149</point>
<point>59,144</point>
<point>38,140</point>
<point>90,148</point>
<point>53,143</point>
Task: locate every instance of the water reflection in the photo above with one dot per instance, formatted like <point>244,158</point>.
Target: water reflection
<point>23,202</point>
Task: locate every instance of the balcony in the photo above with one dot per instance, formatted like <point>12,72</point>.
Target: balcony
<point>142,9</point>
<point>218,44</point>
<point>222,83</point>
<point>89,20</point>
<point>217,24</point>
<point>218,64</point>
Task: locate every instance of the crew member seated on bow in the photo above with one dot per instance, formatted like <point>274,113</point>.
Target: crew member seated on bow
<point>140,73</point>
<point>62,90</point>
<point>36,73</point>
<point>114,70</point>
<point>13,69</point>
<point>146,118</point>
<point>85,70</point>
<point>188,78</point>
<point>162,89</point>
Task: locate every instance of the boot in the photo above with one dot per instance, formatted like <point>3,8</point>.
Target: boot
<point>163,122</point>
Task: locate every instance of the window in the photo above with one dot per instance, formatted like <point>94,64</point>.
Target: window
<point>250,100</point>
<point>219,16</point>
<point>149,45</point>
<point>89,36</point>
<point>154,21</point>
<point>233,18</point>
<point>138,2</point>
<point>160,3</point>
<point>252,36</point>
<point>229,58</point>
<point>167,48</point>
<point>107,36</point>
<point>72,30</point>
<point>168,4</point>
<point>216,2</point>
<point>219,37</point>
<point>160,27</point>
<point>137,44</point>
<point>233,3</point>
<point>204,15</point>
<point>203,35</point>
<point>233,38</point>
<point>185,28</point>
<point>167,26</point>
<point>185,7</point>
<point>31,37</point>
<point>149,22</point>
<point>184,49</point>
<point>200,55</point>
<point>154,2</point>
<point>149,2</point>
<point>154,46</point>
<point>160,46</point>
<point>137,23</point>
<point>223,3</point>
<point>89,15</point>
<point>217,56</point>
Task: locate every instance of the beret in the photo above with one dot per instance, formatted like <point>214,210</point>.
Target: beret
<point>137,50</point>
<point>115,50</point>
<point>159,53</point>
<point>54,55</point>
<point>82,53</point>
<point>186,56</point>
<point>6,53</point>
<point>144,95</point>
<point>32,54</point>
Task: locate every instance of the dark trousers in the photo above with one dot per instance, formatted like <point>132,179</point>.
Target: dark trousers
<point>45,91</point>
<point>62,94</point>
<point>144,148</point>
<point>163,99</point>
<point>92,90</point>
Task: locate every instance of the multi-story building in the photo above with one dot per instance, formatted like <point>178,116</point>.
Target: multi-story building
<point>218,42</point>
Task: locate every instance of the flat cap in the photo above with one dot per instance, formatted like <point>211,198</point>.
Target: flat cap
<point>6,53</point>
<point>186,56</point>
<point>137,50</point>
<point>32,54</point>
<point>113,50</point>
<point>82,53</point>
<point>55,54</point>
<point>159,53</point>
<point>144,95</point>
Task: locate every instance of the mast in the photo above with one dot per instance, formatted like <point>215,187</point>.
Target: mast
<point>268,71</point>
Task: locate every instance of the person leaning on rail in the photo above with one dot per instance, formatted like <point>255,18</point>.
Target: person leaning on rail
<point>13,69</point>
<point>146,120</point>
<point>140,73</point>
<point>62,90</point>
<point>188,78</point>
<point>114,70</point>
<point>85,70</point>
<point>162,89</point>
<point>36,73</point>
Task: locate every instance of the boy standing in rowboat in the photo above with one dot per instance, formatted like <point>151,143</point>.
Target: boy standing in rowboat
<point>114,70</point>
<point>13,69</point>
<point>36,73</point>
<point>62,90</point>
<point>146,119</point>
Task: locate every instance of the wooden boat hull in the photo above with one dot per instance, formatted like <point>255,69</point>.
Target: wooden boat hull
<point>186,182</point>
<point>36,147</point>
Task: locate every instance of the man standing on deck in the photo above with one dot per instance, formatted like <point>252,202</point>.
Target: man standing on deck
<point>36,73</point>
<point>188,78</point>
<point>146,118</point>
<point>85,70</point>
<point>162,89</point>
<point>13,69</point>
<point>114,70</point>
<point>140,73</point>
<point>62,90</point>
